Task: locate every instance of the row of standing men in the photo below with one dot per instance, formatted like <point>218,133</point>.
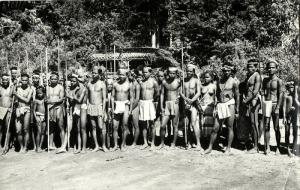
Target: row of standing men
<point>150,103</point>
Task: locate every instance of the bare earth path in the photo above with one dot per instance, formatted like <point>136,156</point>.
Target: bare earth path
<point>142,169</point>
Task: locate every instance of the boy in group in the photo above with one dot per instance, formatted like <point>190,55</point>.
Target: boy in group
<point>272,98</point>
<point>39,115</point>
<point>227,106</point>
<point>290,115</point>
<point>148,104</point>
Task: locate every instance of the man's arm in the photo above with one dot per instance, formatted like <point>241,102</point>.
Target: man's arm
<point>137,95</point>
<point>280,95</point>
<point>80,99</point>
<point>34,108</point>
<point>236,96</point>
<point>162,96</point>
<point>257,84</point>
<point>131,97</point>
<point>25,99</point>
<point>113,98</point>
<point>156,91</point>
<point>198,88</point>
<point>284,108</point>
<point>104,96</point>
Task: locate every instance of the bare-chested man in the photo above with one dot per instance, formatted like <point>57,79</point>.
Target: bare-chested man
<point>23,97</point>
<point>148,104</point>
<point>170,110</point>
<point>227,107</point>
<point>55,102</point>
<point>253,85</point>
<point>96,107</point>
<point>122,99</point>
<point>6,91</point>
<point>190,95</point>
<point>291,115</point>
<point>272,98</point>
<point>135,109</point>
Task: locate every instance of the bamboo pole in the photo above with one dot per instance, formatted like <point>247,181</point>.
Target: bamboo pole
<point>47,93</point>
<point>114,61</point>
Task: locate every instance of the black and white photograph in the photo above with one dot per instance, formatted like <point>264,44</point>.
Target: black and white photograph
<point>150,94</point>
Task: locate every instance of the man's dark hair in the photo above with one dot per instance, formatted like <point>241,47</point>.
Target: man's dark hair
<point>13,68</point>
<point>54,73</point>
<point>5,75</point>
<point>36,72</point>
<point>24,75</point>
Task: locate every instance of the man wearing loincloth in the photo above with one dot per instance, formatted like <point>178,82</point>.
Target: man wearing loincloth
<point>207,102</point>
<point>6,91</point>
<point>23,97</point>
<point>190,95</point>
<point>122,99</point>
<point>272,98</point>
<point>169,102</point>
<point>148,104</point>
<point>39,116</point>
<point>291,115</point>
<point>227,106</point>
<point>132,77</point>
<point>96,107</point>
<point>251,100</point>
<point>35,83</point>
<point>55,101</point>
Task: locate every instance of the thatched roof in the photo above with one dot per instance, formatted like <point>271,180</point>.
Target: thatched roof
<point>153,56</point>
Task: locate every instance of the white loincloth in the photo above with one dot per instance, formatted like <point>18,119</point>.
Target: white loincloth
<point>267,108</point>
<point>95,110</point>
<point>147,110</point>
<point>3,112</point>
<point>77,110</point>
<point>223,109</point>
<point>120,106</point>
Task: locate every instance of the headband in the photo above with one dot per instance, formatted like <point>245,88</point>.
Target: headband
<point>227,67</point>
<point>173,69</point>
<point>290,83</point>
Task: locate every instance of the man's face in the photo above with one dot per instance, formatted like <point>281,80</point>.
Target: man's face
<point>226,73</point>
<point>189,72</point>
<point>172,74</point>
<point>73,82</point>
<point>130,76</point>
<point>291,89</point>
<point>35,79</point>
<point>5,81</point>
<point>95,74</point>
<point>271,68</point>
<point>122,75</point>
<point>161,76</point>
<point>54,80</point>
<point>14,74</point>
<point>207,78</point>
<point>251,68</point>
<point>146,73</point>
<point>24,81</point>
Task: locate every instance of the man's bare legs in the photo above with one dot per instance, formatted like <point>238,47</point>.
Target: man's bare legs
<point>156,123</point>
<point>94,133</point>
<point>83,121</point>
<point>146,125</point>
<point>275,118</point>
<point>102,127</point>
<point>125,130</point>
<point>78,129</point>
<point>254,126</point>
<point>267,134</point>
<point>116,123</point>
<point>39,135</point>
<point>135,122</point>
<point>165,120</point>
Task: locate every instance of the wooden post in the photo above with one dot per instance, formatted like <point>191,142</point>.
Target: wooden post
<point>47,93</point>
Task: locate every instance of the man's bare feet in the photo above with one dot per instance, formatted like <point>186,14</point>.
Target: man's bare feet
<point>104,149</point>
<point>133,146</point>
<point>77,151</point>
<point>83,151</point>
<point>161,146</point>
<point>277,151</point>
<point>61,150</point>
<point>96,149</point>
<point>23,150</point>
<point>172,147</point>
<point>152,148</point>
<point>207,151</point>
<point>144,146</point>
<point>290,154</point>
<point>123,148</point>
<point>52,148</point>
<point>198,148</point>
<point>253,151</point>
<point>267,151</point>
<point>5,150</point>
<point>114,149</point>
<point>39,150</point>
<point>227,151</point>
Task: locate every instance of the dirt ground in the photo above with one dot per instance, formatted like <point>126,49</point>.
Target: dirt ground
<point>143,169</point>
